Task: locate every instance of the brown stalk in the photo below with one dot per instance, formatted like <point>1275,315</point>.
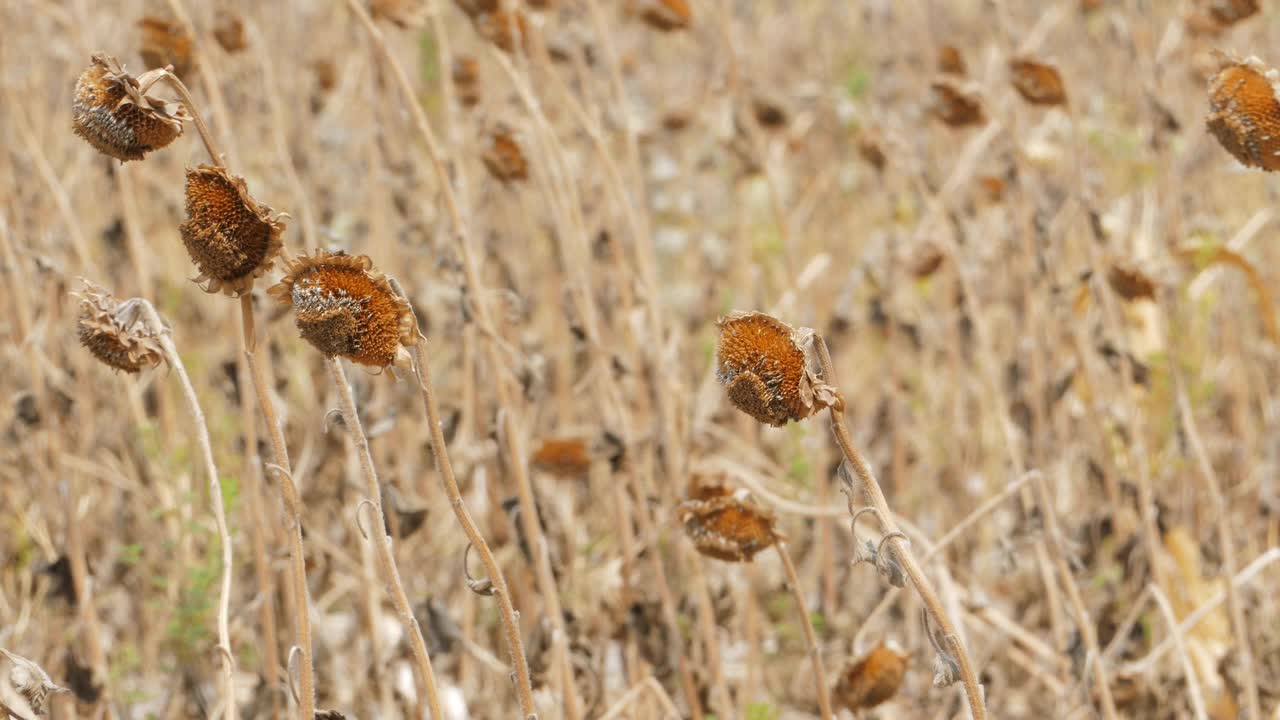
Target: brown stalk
<point>381,540</point>
<point>440,450</point>
<point>973,692</point>
<point>810,639</point>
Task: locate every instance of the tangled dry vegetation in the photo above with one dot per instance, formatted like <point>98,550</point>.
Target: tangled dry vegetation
<point>641,359</point>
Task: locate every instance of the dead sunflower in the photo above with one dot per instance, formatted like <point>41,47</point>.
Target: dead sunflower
<point>230,237</point>
<point>344,307</point>
<point>116,113</point>
<point>764,365</point>
<point>117,333</point>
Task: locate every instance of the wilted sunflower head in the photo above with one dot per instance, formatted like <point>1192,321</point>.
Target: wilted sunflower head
<point>117,333</point>
<point>764,365</point>
<point>1244,114</point>
<point>230,237</point>
<point>727,525</point>
<point>345,308</point>
<point>116,113</point>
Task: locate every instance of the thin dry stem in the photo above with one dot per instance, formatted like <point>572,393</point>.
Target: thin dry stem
<point>810,639</point>
<point>210,145</point>
<point>1179,642</point>
<point>227,658</point>
<point>293,508</point>
<point>973,692</point>
<point>381,541</point>
<point>440,451</point>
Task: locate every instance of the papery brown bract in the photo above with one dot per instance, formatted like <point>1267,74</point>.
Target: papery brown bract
<point>165,42</point>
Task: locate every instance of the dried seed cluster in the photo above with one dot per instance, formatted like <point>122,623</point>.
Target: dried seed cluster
<point>230,237</point>
<point>115,113</point>
<point>345,308</point>
<point>115,332</point>
<point>1244,114</point>
<point>764,365</point>
<point>29,682</point>
<point>726,526</point>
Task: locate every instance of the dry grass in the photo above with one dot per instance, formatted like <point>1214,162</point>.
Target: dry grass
<point>1045,283</point>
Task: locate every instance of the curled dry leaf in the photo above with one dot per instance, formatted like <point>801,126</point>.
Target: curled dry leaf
<point>1244,114</point>
<point>951,62</point>
<point>231,238</point>
<point>1130,282</point>
<point>563,457</point>
<point>166,43</point>
<point>346,308</point>
<point>1036,82</point>
<point>765,364</point>
<point>725,526</point>
<point>115,112</point>
<point>871,680</point>
<point>117,333</point>
<point>502,155</point>
<point>954,106</point>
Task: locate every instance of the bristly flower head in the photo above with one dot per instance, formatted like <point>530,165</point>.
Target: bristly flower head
<point>117,333</point>
<point>765,367</point>
<point>1244,113</point>
<point>872,680</point>
<point>345,308</point>
<point>230,237</point>
<point>116,113</point>
<point>727,526</point>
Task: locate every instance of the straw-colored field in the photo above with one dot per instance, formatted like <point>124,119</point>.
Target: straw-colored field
<point>422,370</point>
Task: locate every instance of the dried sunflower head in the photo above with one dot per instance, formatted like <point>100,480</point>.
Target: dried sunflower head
<point>502,155</point>
<point>563,457</point>
<point>954,105</point>
<point>117,333</point>
<point>727,526</point>
<point>466,80</point>
<point>24,687</point>
<point>166,43</point>
<point>345,308</point>
<point>1244,114</point>
<point>504,28</point>
<point>229,32</point>
<point>872,680</point>
<point>1036,82</point>
<point>765,367</point>
<point>116,113</point>
<point>230,237</point>
<point>1230,12</point>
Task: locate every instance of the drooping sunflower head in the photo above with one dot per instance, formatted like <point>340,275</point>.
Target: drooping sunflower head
<point>116,332</point>
<point>117,114</point>
<point>346,308</point>
<point>230,237</point>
